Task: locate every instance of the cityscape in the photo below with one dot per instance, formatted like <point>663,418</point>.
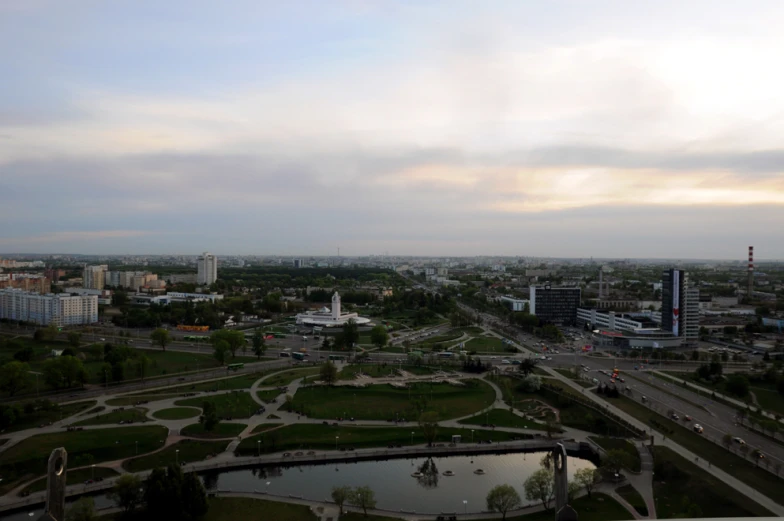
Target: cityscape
<point>391,261</point>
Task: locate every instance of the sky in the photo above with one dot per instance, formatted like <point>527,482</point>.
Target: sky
<point>534,128</point>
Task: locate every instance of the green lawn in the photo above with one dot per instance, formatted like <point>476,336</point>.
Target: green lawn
<point>380,370</point>
<point>236,404</point>
<point>620,444</point>
<point>767,396</point>
<point>222,430</point>
<point>382,402</point>
<point>268,395</point>
<point>286,377</point>
<point>359,516</point>
<point>176,413</point>
<point>265,427</point>
<point>125,401</point>
<point>74,477</point>
<point>316,436</point>
<point>485,344</point>
<point>572,414</point>
<point>575,377</point>
<point>244,381</point>
<point>41,417</point>
<point>630,494</point>
<point>503,418</point>
<point>27,459</point>
<point>677,478</point>
<point>133,415</point>
<point>248,509</point>
<point>599,508</point>
<point>189,451</point>
<point>743,470</point>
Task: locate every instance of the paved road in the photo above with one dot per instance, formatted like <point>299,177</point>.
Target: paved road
<point>716,418</point>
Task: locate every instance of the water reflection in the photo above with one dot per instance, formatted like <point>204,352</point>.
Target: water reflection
<point>428,471</point>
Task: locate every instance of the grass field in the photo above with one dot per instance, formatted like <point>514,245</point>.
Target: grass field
<point>134,415</point>
<point>317,436</point>
<point>247,509</point>
<point>620,444</point>
<point>125,401</point>
<point>743,470</point>
<point>572,414</point>
<point>268,395</point>
<point>575,377</point>
<point>286,377</point>
<point>379,370</point>
<point>40,417</point>
<point>27,459</point>
<point>676,478</point>
<point>599,508</point>
<point>630,494</point>
<point>176,413</point>
<point>74,477</point>
<point>236,404</point>
<point>244,381</point>
<point>359,516</point>
<point>502,418</point>
<point>485,344</point>
<point>262,427</point>
<point>382,402</point>
<point>222,430</point>
<point>189,451</point>
<point>767,396</point>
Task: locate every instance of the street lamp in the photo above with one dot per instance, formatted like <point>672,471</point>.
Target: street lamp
<point>177,456</point>
<point>258,448</point>
<point>472,435</point>
<point>336,442</point>
<point>412,437</point>
<point>92,467</point>
<point>465,506</point>
<point>266,491</point>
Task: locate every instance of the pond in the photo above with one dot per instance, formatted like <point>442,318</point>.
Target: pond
<point>391,480</point>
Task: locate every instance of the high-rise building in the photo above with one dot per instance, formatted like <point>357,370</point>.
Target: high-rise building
<point>94,277</point>
<point>680,305</point>
<point>60,309</point>
<point>207,269</point>
<point>555,305</point>
<point>297,263</point>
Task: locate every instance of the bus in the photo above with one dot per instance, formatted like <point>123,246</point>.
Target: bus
<point>298,356</point>
<point>285,354</point>
<point>445,354</point>
<point>235,367</point>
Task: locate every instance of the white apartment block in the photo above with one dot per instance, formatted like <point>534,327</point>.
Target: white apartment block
<point>60,309</point>
<point>207,268</point>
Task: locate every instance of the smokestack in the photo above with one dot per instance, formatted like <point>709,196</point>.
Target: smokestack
<point>601,272</point>
<point>750,291</point>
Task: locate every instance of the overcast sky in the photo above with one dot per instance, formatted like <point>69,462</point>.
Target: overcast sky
<point>552,128</point>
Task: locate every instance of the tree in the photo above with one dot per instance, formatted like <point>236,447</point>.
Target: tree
<point>616,459</point>
<point>530,383</point>
<point>364,498</point>
<point>74,339</point>
<point>64,372</point>
<point>379,336</point>
<point>161,337</point>
<point>25,354</point>
<point>540,487</point>
<point>329,373</point>
<point>234,339</point>
<point>340,495</point>
<point>586,478</point>
<point>527,366</point>
<point>350,333</point>
<point>209,417</point>
<point>738,385</point>
<point>221,349</point>
<point>503,498</point>
<point>726,440</point>
<point>259,343</point>
<point>429,423</point>
<point>573,488</point>
<point>82,510</point>
<point>14,376</point>
<point>127,492</point>
<point>163,493</point>
<point>194,498</point>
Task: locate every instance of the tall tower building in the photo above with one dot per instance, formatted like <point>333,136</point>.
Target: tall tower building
<point>94,277</point>
<point>335,306</point>
<point>680,305</point>
<point>207,269</point>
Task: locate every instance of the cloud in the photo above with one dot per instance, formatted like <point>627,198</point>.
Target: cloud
<point>65,237</point>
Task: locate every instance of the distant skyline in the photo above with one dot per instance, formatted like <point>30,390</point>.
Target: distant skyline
<point>610,129</point>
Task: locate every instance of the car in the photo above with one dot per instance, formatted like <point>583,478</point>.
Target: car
<point>687,418</point>
<point>698,428</point>
<point>586,369</point>
<point>505,362</point>
<point>738,440</point>
<point>493,358</point>
<point>595,381</point>
<point>675,416</point>
<point>622,380</point>
<point>516,362</point>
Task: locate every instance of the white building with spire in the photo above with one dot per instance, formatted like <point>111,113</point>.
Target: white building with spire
<point>325,317</point>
